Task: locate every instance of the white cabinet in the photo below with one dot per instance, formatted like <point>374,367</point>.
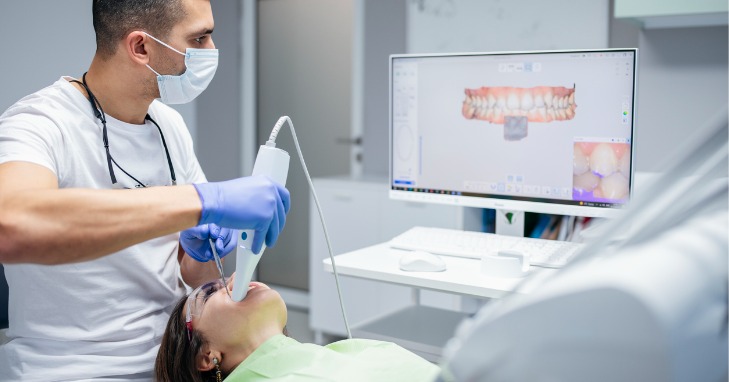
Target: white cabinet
<point>673,14</point>
<point>358,214</point>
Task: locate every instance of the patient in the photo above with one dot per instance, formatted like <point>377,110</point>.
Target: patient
<point>209,336</point>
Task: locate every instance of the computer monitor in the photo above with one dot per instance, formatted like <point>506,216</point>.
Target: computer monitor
<point>543,131</point>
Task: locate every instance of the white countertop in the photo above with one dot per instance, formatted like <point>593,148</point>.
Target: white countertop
<point>462,275</point>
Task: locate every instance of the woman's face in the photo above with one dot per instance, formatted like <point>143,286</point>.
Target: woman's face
<point>230,325</point>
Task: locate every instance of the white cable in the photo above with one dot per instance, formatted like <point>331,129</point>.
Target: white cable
<point>274,133</point>
<point>272,142</point>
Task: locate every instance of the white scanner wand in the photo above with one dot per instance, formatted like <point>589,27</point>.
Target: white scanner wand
<point>274,163</point>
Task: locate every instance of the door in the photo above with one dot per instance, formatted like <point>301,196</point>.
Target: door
<point>304,71</point>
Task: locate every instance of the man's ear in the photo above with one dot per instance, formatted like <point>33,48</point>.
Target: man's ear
<point>204,360</point>
<point>135,46</point>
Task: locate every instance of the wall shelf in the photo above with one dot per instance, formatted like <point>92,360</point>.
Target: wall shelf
<point>654,14</point>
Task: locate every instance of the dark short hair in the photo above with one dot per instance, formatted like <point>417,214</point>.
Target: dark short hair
<point>115,19</point>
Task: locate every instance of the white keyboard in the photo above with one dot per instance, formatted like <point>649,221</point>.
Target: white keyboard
<point>451,242</point>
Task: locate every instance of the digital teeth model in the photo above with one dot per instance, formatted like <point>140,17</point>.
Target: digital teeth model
<point>515,107</point>
<point>600,171</point>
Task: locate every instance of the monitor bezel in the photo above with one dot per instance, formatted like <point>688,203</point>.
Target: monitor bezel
<point>508,204</point>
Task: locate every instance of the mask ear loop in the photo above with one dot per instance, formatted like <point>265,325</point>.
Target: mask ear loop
<point>165,44</point>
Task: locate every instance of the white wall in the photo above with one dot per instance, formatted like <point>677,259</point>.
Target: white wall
<point>440,26</point>
<point>46,39</point>
<point>49,39</point>
<point>682,82</point>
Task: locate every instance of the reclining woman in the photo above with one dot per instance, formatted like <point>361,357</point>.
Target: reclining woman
<point>209,336</point>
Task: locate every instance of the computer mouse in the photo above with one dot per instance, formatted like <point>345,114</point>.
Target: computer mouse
<point>421,261</point>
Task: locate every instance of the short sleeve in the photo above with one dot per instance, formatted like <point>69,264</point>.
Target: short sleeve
<point>30,137</point>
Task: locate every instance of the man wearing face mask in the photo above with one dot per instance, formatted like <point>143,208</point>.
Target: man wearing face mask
<point>104,209</point>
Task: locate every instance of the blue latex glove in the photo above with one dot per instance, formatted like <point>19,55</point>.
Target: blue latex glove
<point>196,241</point>
<point>255,202</point>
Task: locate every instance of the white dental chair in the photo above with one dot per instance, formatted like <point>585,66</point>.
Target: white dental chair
<point>651,307</point>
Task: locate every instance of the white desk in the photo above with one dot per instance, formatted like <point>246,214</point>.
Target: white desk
<point>421,329</point>
<point>462,276</point>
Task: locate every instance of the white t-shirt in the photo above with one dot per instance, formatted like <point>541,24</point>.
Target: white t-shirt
<point>106,317</point>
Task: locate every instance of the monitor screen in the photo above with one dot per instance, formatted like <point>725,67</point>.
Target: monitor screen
<point>548,131</point>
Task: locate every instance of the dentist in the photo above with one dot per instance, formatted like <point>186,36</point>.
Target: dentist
<point>104,209</point>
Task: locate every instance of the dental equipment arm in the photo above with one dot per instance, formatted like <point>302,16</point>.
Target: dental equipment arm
<point>273,163</point>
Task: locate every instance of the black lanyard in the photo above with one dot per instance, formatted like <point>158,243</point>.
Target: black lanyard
<point>99,113</point>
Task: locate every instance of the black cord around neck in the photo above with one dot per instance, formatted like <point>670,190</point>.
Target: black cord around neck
<point>99,113</point>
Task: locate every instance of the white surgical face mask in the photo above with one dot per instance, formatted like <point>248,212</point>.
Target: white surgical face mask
<point>200,66</point>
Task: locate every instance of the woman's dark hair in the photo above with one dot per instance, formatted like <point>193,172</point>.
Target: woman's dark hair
<point>114,19</point>
<point>176,357</point>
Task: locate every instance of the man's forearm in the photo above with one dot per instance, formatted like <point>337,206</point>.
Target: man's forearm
<point>52,226</point>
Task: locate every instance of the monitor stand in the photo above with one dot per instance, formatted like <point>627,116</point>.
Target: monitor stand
<point>509,223</point>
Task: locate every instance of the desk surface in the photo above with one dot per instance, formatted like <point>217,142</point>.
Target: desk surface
<point>462,276</point>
